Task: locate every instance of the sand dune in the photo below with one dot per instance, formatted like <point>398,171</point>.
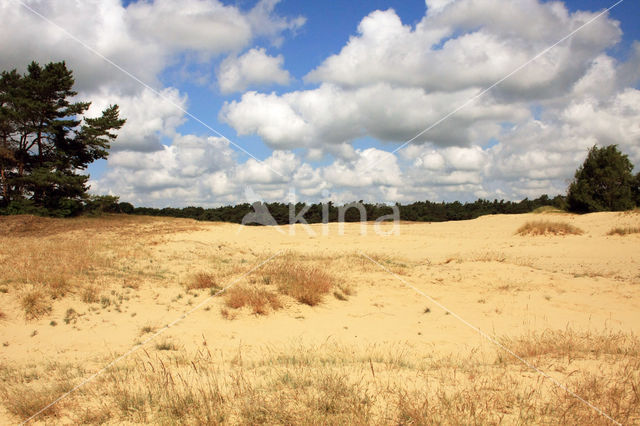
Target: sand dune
<point>393,340</point>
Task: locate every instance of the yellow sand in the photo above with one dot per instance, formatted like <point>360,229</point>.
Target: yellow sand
<point>478,270</point>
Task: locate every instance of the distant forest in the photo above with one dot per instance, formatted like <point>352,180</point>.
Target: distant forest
<point>421,211</point>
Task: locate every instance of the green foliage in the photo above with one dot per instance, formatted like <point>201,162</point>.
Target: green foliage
<point>126,208</point>
<point>636,189</point>
<point>420,211</point>
<point>99,204</point>
<point>604,182</point>
<point>45,141</point>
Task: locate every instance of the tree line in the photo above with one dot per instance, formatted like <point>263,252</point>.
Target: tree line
<point>420,211</point>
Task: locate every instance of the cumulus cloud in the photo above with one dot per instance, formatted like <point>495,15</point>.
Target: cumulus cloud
<point>201,25</point>
<point>143,39</point>
<point>391,81</point>
<point>254,68</point>
<point>472,44</point>
<point>388,83</point>
<point>332,115</point>
<point>150,115</point>
<point>101,25</point>
<point>192,170</point>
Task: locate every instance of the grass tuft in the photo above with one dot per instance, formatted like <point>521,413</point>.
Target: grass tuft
<point>35,303</point>
<point>625,230</point>
<point>166,345</point>
<point>203,280</point>
<point>542,227</point>
<point>259,300</point>
<point>306,284</point>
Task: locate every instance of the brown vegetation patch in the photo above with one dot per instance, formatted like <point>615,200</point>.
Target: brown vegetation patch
<point>548,228</point>
<point>202,280</point>
<point>35,303</point>
<point>259,300</point>
<point>625,230</point>
<point>306,283</point>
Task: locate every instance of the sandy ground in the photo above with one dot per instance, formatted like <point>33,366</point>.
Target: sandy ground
<point>426,287</point>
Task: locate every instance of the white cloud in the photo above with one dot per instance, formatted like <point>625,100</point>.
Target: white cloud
<point>206,26</point>
<point>471,43</point>
<point>191,170</point>
<point>389,82</point>
<point>150,116</point>
<point>254,68</point>
<point>102,25</point>
<point>266,23</point>
<point>371,167</point>
<point>331,115</point>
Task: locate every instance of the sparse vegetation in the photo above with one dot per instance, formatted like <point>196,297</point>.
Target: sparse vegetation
<point>624,230</point>
<point>166,345</point>
<point>548,228</point>
<point>203,280</point>
<point>147,329</point>
<point>306,284</point>
<point>334,384</point>
<point>35,303</point>
<point>70,316</point>
<point>337,380</point>
<point>259,300</point>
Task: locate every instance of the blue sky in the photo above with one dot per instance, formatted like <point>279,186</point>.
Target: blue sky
<point>323,95</point>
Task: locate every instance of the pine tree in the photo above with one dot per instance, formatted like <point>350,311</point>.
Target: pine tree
<point>45,142</point>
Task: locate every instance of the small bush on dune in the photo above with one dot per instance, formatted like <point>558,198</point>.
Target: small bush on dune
<point>624,231</point>
<point>258,300</point>
<point>35,304</point>
<point>306,284</point>
<point>202,280</point>
<point>546,227</point>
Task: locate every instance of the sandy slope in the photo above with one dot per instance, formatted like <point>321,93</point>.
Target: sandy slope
<point>504,284</point>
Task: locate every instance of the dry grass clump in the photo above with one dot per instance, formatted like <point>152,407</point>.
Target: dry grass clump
<point>547,227</point>
<point>202,280</point>
<point>625,230</point>
<point>259,300</point>
<point>306,283</point>
<point>35,303</point>
<point>166,345</point>
<point>343,291</point>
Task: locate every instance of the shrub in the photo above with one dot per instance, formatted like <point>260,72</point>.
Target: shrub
<point>546,227</point>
